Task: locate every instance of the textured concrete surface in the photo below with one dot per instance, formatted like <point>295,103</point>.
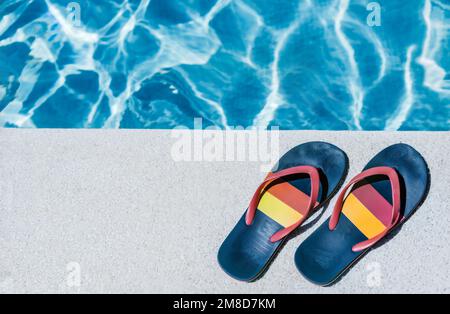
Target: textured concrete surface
<point>111,211</point>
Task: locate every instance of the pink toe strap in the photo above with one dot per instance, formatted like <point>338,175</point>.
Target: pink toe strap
<point>395,217</point>
<point>315,185</point>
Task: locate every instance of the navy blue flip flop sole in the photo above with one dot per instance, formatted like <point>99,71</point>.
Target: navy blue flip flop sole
<point>366,212</point>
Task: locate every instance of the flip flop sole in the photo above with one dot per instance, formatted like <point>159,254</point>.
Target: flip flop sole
<point>247,251</point>
<point>325,255</point>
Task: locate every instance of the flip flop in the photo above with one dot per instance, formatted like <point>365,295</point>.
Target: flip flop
<point>390,188</point>
<point>302,181</point>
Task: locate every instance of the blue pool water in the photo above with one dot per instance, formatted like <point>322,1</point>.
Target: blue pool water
<point>296,64</point>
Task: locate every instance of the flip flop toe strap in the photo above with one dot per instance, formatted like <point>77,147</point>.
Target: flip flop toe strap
<point>395,217</point>
<point>315,185</point>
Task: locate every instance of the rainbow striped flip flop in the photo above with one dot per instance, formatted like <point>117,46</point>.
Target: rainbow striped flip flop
<point>390,188</point>
<point>303,180</point>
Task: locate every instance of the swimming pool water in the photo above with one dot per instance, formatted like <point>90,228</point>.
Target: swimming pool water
<point>296,64</point>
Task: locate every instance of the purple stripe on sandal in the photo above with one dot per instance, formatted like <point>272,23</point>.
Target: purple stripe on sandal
<point>374,202</point>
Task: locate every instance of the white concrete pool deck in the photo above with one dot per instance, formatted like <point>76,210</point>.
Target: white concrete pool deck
<point>97,211</point>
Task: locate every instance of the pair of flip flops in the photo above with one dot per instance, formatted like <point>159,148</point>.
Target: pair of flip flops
<point>387,192</point>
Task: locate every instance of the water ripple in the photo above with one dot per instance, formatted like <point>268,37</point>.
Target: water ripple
<point>161,63</point>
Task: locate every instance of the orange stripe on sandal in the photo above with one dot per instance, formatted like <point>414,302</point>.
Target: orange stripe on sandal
<point>292,196</point>
<point>284,203</point>
<point>361,217</point>
<point>374,202</point>
<point>278,211</point>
